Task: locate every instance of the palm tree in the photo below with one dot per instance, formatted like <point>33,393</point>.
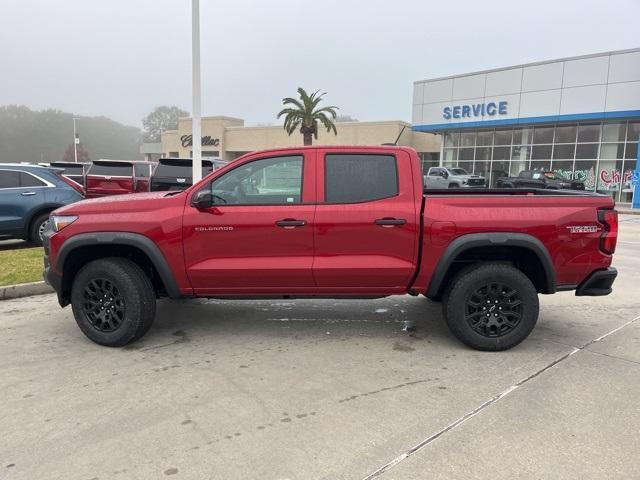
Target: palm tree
<point>303,114</point>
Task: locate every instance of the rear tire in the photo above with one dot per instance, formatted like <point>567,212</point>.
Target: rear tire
<point>491,306</point>
<point>37,228</point>
<point>113,301</point>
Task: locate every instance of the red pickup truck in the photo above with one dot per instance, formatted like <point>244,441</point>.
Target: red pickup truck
<point>337,222</point>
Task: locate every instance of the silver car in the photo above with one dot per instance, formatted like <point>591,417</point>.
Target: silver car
<point>445,177</point>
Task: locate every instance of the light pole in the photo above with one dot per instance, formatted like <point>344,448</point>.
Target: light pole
<point>196,127</point>
<point>76,141</point>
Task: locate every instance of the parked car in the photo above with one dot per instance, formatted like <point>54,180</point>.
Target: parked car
<point>338,222</point>
<point>28,193</point>
<point>74,171</point>
<point>117,177</point>
<point>539,179</point>
<point>449,177</point>
<point>176,173</point>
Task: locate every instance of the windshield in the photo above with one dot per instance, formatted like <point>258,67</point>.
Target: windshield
<point>458,171</point>
<point>111,169</point>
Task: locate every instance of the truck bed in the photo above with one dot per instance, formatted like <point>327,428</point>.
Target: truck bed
<point>510,191</point>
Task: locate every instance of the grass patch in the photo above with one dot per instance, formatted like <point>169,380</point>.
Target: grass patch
<point>21,266</point>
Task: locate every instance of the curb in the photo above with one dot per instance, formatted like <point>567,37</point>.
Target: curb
<point>24,290</point>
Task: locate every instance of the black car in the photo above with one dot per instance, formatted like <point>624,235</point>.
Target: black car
<point>539,179</point>
<point>74,171</point>
<point>175,173</point>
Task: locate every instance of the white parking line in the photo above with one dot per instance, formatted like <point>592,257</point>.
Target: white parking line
<point>489,402</point>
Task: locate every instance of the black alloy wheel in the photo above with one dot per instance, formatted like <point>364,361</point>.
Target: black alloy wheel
<point>103,305</point>
<point>494,310</point>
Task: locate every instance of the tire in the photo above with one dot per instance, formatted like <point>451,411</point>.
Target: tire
<point>507,185</point>
<point>496,289</point>
<point>130,295</point>
<point>37,227</point>
<point>454,185</point>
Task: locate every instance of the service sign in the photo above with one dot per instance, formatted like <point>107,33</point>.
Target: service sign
<point>476,110</point>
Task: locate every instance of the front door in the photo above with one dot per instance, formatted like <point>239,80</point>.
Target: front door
<point>257,238</point>
<point>367,226</point>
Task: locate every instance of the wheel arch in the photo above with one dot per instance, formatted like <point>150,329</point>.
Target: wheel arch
<point>524,251</point>
<point>35,213</point>
<point>80,249</point>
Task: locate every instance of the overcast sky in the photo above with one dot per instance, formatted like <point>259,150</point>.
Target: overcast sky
<point>121,58</point>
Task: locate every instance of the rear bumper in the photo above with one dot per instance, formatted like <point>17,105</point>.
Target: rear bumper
<point>598,283</point>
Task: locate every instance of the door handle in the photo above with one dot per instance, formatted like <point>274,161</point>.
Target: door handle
<point>290,223</point>
<point>390,221</point>
<point>27,194</point>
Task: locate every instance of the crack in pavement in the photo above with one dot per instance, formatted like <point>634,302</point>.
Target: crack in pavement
<point>389,465</point>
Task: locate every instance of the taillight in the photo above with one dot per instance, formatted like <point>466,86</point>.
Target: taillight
<point>609,237</point>
<point>75,185</point>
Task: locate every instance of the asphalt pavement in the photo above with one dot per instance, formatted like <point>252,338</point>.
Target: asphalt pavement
<point>325,390</point>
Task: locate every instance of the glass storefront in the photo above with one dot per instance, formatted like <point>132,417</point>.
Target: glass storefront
<point>602,155</point>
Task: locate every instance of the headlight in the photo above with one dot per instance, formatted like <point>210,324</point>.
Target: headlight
<point>464,182</point>
<point>61,221</point>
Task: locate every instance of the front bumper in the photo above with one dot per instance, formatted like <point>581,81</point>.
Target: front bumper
<point>49,275</point>
<point>598,283</point>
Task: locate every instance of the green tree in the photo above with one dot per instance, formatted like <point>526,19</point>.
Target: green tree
<point>303,114</point>
<point>69,154</point>
<point>161,119</point>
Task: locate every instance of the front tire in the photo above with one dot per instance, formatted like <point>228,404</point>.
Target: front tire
<point>113,301</point>
<point>491,306</point>
<point>454,185</point>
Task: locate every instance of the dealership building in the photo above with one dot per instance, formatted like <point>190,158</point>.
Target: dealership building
<point>579,117</point>
<point>229,138</point>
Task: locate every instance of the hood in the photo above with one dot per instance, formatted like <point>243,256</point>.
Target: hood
<point>134,202</point>
<point>468,176</point>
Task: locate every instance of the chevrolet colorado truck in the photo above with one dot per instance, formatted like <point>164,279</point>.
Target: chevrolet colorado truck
<point>331,222</point>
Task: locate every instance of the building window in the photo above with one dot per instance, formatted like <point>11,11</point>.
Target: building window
<point>566,134</point>
<point>588,133</point>
<point>543,135</point>
<point>602,155</point>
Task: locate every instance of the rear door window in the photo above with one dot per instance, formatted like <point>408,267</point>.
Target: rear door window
<point>110,170</point>
<point>27,180</point>
<point>9,179</point>
<point>356,178</point>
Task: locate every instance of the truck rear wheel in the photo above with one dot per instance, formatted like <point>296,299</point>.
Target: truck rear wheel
<point>491,306</point>
<point>113,301</point>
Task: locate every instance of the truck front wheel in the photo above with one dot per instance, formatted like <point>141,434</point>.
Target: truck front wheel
<point>113,301</point>
<point>491,306</point>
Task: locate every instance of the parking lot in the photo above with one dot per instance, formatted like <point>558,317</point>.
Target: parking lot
<point>329,389</point>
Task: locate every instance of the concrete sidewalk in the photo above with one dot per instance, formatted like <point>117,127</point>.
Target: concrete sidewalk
<point>325,390</point>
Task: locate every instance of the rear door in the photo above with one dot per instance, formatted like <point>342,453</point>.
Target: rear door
<point>20,193</point>
<point>435,178</point>
<point>109,178</point>
<point>367,221</point>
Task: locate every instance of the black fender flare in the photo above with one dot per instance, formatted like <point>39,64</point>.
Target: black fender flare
<point>145,244</point>
<point>497,239</point>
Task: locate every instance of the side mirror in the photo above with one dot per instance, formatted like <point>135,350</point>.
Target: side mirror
<point>445,175</point>
<point>202,200</point>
